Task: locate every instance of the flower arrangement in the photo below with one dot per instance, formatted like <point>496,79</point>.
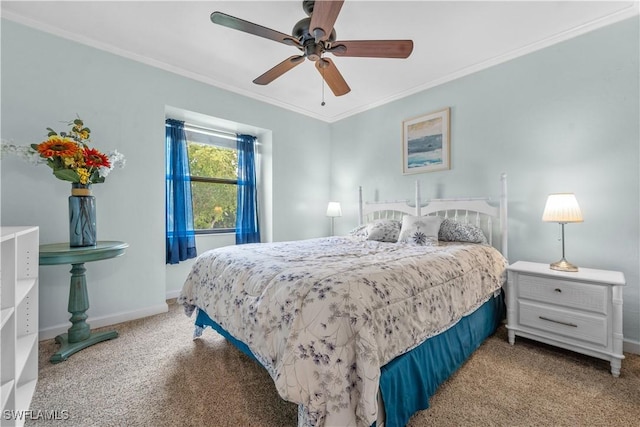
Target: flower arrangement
<point>70,156</point>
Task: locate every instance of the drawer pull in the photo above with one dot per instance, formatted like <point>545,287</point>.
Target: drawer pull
<point>573,325</point>
<point>558,290</point>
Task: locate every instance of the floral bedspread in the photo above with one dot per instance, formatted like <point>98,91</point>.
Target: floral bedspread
<point>323,315</point>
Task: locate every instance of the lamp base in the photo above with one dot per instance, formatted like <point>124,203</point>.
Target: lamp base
<point>563,265</point>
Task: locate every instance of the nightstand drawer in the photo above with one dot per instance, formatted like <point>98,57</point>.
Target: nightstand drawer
<point>581,326</point>
<point>581,296</point>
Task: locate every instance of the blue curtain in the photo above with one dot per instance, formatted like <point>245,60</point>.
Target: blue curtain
<point>181,239</point>
<point>247,229</point>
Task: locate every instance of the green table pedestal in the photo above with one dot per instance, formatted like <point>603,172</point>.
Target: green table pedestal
<point>68,348</point>
<point>79,335</point>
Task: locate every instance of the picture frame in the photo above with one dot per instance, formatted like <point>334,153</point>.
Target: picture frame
<point>426,143</point>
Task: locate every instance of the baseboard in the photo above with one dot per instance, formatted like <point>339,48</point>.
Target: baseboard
<point>173,294</point>
<point>99,322</point>
<point>629,346</point>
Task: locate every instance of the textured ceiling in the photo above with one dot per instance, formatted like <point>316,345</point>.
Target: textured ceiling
<point>451,39</point>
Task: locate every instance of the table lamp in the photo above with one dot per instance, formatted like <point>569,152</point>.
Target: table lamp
<point>562,208</point>
<point>333,210</point>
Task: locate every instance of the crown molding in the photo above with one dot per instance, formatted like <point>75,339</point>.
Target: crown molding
<point>621,15</point>
<point>625,13</point>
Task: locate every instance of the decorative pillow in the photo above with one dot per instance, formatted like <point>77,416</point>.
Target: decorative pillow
<point>384,230</point>
<point>359,231</point>
<point>420,230</point>
<point>454,231</point>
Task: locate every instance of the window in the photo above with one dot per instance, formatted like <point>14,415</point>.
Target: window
<point>213,162</point>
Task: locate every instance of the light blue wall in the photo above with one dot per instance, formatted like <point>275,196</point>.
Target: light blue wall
<point>47,80</point>
<point>563,119</point>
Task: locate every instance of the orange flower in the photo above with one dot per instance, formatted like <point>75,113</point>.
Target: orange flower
<point>57,146</point>
<point>94,158</point>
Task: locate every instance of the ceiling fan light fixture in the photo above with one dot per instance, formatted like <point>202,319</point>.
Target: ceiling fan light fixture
<point>313,51</point>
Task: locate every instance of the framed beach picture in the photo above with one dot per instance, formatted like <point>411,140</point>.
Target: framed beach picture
<point>426,144</point>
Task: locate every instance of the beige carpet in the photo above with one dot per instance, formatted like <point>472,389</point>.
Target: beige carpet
<point>155,375</point>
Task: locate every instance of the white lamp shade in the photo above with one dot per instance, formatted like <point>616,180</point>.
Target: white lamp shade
<point>562,207</point>
<point>333,209</point>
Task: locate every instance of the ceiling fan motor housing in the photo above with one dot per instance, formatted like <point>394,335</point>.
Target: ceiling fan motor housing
<point>312,50</point>
<point>301,31</point>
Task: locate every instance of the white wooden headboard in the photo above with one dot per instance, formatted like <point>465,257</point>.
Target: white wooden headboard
<point>491,217</point>
<point>370,211</point>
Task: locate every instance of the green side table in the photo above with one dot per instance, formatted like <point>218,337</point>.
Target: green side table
<point>79,335</point>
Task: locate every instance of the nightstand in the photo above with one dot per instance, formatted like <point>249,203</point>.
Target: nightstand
<point>580,311</point>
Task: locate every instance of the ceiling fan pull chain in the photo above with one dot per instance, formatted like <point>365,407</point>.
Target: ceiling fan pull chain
<point>322,69</point>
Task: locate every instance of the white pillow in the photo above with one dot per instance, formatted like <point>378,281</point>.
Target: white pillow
<point>420,230</point>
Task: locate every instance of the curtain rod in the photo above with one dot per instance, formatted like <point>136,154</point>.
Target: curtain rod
<point>214,132</point>
<point>211,131</point>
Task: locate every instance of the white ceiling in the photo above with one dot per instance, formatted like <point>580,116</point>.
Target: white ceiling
<point>451,39</point>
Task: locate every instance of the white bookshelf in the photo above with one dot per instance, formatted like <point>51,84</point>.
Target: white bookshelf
<point>18,319</point>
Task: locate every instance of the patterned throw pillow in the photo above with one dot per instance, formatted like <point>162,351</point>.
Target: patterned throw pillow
<point>384,230</point>
<point>454,231</point>
<point>420,230</point>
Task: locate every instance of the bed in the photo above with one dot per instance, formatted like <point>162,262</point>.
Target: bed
<point>362,329</point>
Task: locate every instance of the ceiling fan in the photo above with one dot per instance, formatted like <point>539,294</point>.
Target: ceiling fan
<point>314,36</point>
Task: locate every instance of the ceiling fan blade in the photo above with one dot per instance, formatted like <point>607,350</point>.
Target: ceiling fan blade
<point>279,70</point>
<point>251,28</point>
<point>332,76</point>
<point>373,48</point>
<point>323,18</point>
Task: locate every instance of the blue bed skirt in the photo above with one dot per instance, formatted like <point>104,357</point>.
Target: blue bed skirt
<point>409,380</point>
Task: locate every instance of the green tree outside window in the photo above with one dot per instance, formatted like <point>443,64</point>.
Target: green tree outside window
<point>214,172</point>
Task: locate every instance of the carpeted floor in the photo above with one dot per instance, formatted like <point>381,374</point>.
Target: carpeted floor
<point>155,375</point>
